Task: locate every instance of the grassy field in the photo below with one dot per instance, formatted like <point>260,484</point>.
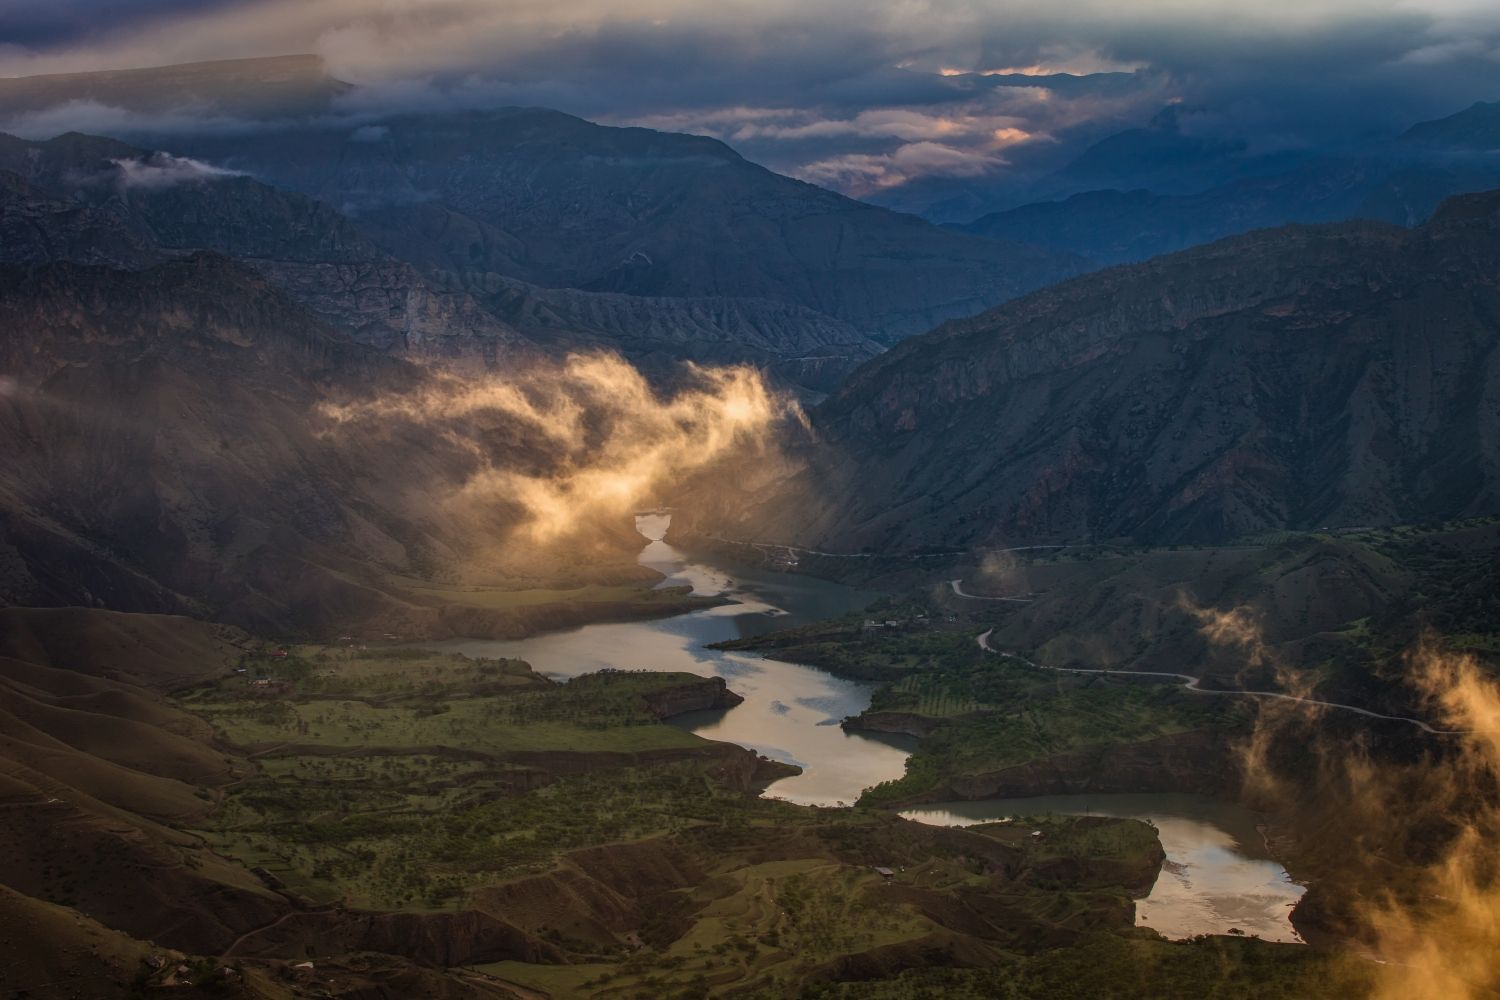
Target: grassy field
<point>770,927</point>
<point>767,924</point>
<point>423,832</point>
<point>978,712</point>
<point>1111,967</point>
<point>386,777</point>
<point>400,698</point>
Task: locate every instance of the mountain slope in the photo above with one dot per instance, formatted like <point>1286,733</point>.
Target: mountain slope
<point>173,205</point>
<point>795,344</point>
<point>95,200</point>
<point>1402,182</point>
<point>553,200</point>
<point>1300,377</point>
<point>166,452</point>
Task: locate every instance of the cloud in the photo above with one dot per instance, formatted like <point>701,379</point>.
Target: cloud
<point>155,171</point>
<point>861,173</point>
<point>97,118</point>
<point>1416,857</point>
<point>845,85</point>
<point>574,445</point>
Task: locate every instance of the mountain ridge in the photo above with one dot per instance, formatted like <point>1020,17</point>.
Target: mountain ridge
<point>1290,378</point>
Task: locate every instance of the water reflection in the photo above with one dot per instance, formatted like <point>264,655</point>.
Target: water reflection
<point>790,713</point>
<point>1218,874</point>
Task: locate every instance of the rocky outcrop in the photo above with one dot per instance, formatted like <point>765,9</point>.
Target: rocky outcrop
<point>703,695</point>
<point>900,723</point>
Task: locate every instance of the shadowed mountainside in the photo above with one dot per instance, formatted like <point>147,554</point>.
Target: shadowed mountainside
<point>553,200</point>
<point>1110,222</point>
<point>166,453</point>
<point>170,206</point>
<point>1300,377</point>
<point>95,200</point>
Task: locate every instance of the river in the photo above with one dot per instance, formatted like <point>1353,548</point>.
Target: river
<point>790,713</point>
<point>1218,874</point>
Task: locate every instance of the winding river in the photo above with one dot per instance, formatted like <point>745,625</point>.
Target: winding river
<point>1217,876</point>
<point>790,713</point>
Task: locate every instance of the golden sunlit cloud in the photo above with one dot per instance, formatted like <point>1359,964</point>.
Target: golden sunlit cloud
<point>1442,942</point>
<point>1447,947</point>
<point>592,439</point>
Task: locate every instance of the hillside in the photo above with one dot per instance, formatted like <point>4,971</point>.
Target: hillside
<point>168,451</point>
<point>1124,201</point>
<point>556,201</point>
<point>215,814</point>
<point>1300,377</point>
<point>169,206</point>
<point>90,199</point>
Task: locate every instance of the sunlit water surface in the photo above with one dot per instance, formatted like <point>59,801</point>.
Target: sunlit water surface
<point>790,713</point>
<point>1218,874</point>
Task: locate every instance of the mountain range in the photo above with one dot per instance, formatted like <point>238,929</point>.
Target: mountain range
<point>1302,377</point>
<point>1150,191</point>
<point>1294,377</point>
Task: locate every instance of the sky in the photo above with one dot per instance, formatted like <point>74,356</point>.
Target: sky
<point>861,96</point>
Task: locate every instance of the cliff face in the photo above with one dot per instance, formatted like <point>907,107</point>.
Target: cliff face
<point>1302,377</point>
<point>707,693</point>
<point>800,345</point>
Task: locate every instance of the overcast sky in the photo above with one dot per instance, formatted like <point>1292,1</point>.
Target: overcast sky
<point>857,95</point>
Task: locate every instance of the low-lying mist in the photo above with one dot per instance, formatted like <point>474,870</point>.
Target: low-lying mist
<point>570,445</point>
<point>1403,829</point>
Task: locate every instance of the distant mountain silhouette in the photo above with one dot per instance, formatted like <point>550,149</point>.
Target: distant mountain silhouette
<point>1401,182</point>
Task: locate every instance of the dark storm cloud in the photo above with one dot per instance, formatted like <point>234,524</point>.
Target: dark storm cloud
<point>47,24</point>
<point>860,94</point>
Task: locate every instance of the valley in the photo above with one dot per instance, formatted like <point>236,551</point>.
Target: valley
<point>528,502</point>
<point>376,797</point>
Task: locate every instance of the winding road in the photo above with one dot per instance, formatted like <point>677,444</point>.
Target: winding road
<point>1191,683</point>
<point>958,589</point>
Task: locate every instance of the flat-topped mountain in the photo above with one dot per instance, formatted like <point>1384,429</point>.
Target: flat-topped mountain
<point>260,87</point>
